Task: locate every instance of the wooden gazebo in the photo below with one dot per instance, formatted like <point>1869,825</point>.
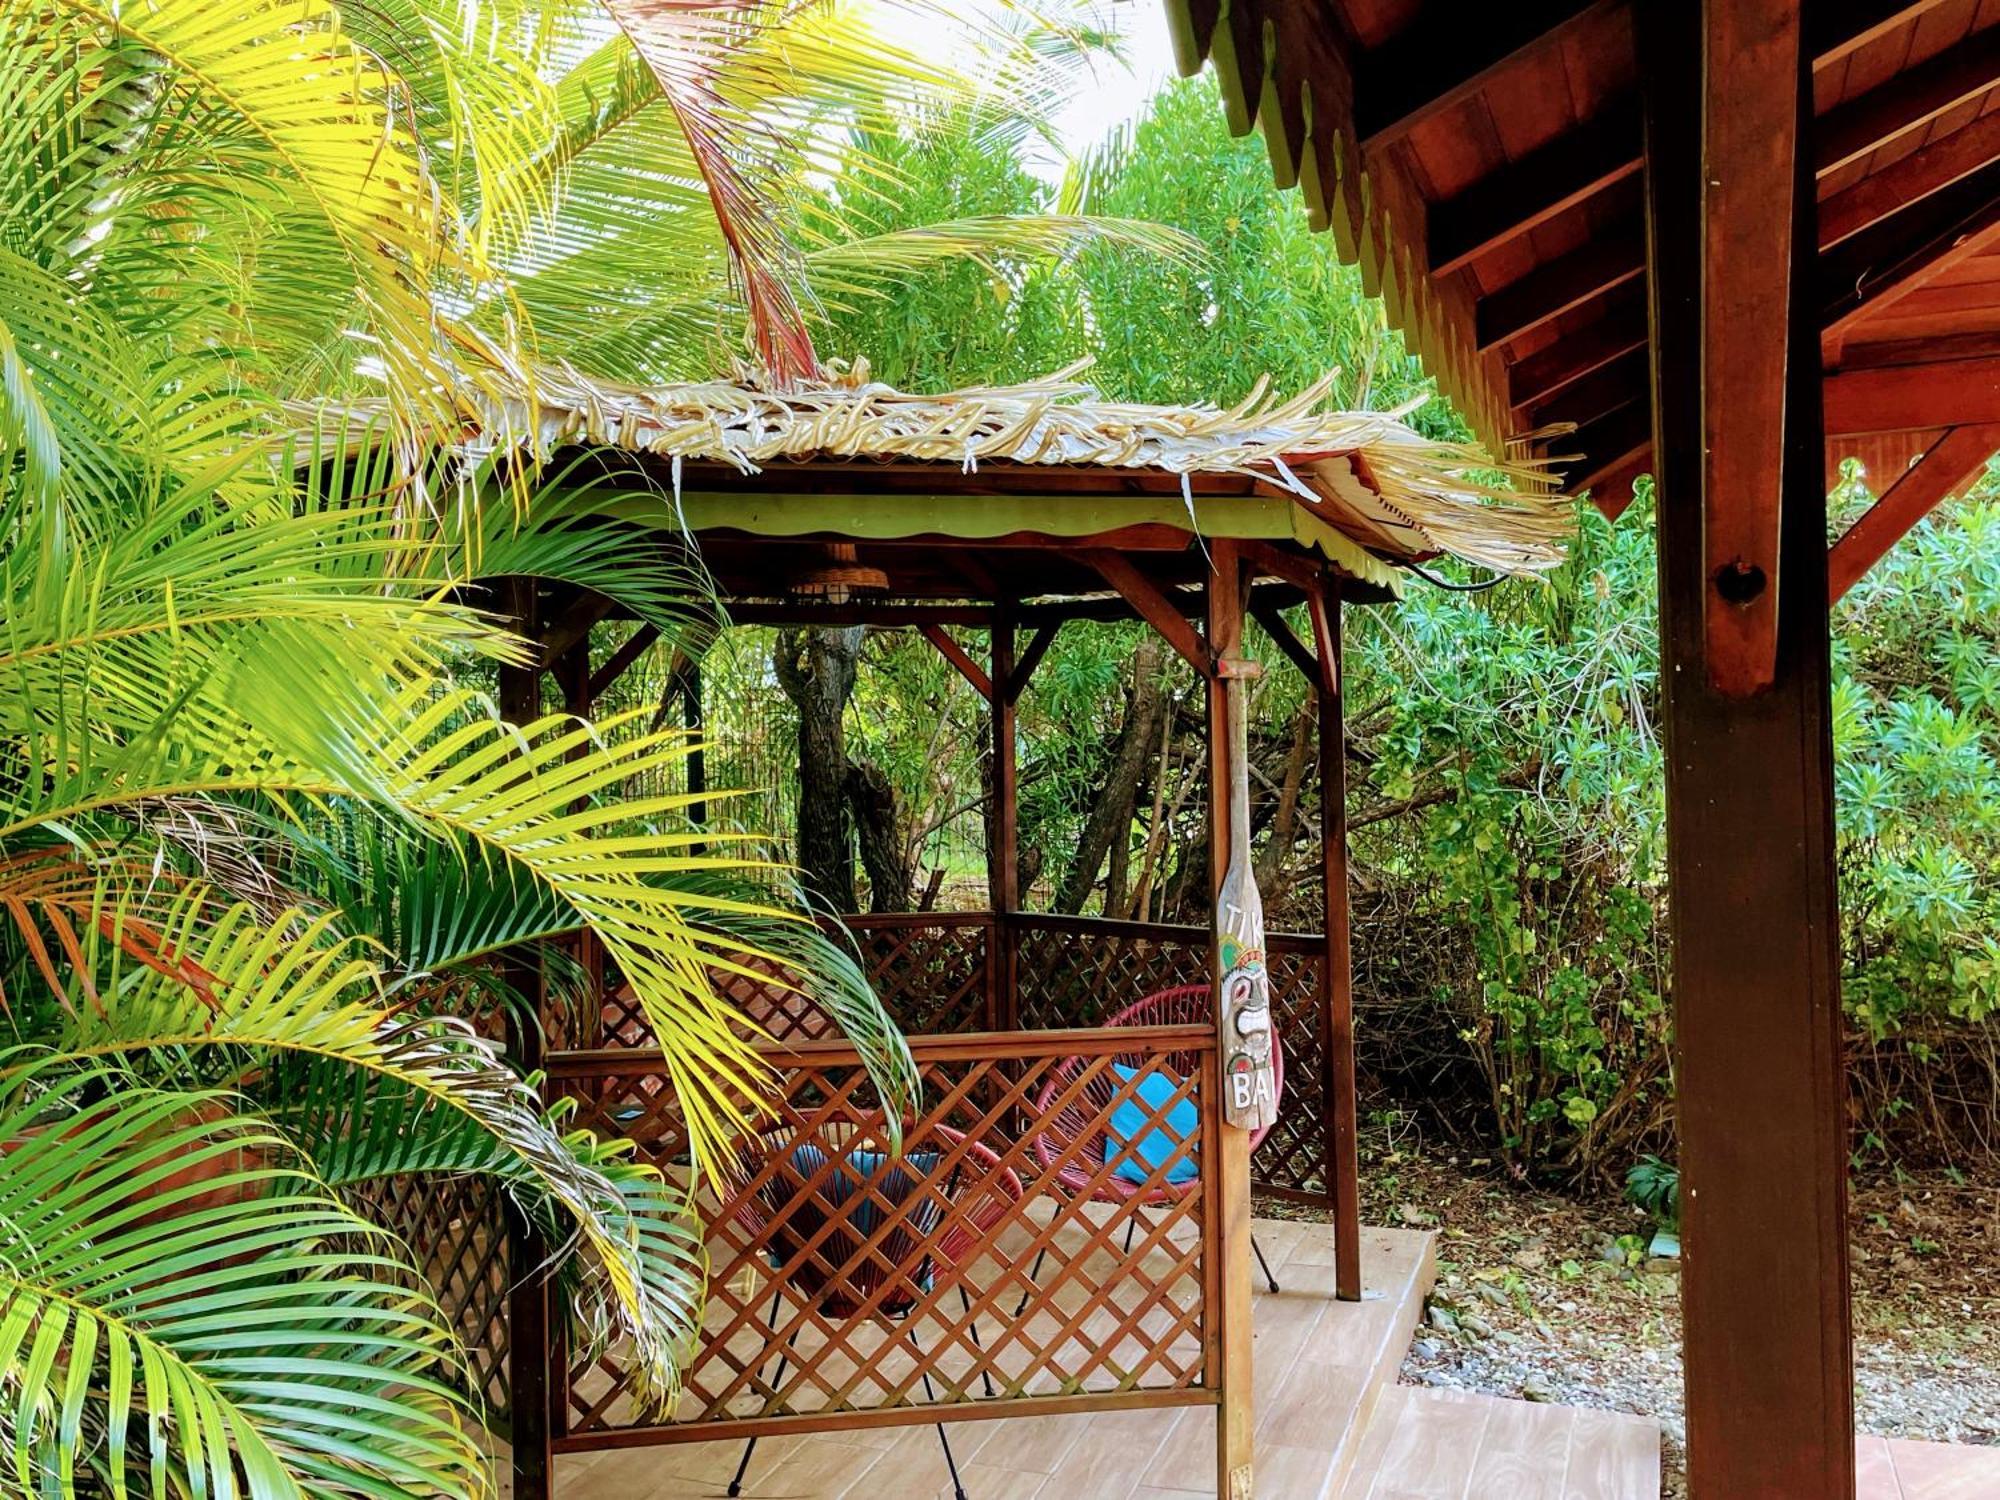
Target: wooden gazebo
<point>1729,243</point>
<point>1014,512</point>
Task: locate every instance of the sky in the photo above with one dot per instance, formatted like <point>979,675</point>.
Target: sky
<point>1122,86</point>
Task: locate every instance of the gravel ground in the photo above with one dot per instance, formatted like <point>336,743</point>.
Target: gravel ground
<point>1537,1296</point>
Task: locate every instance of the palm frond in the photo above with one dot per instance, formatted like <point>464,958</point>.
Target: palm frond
<point>169,1274</point>
<point>361,1082</point>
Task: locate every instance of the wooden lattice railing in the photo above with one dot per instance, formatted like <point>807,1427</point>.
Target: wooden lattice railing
<point>1080,971</point>
<point>999,1270</point>
<point>938,973</point>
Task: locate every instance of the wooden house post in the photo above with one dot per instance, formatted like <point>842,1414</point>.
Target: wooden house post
<point>1236,1416</point>
<point>1338,1105</point>
<point>1743,581</point>
<point>529,1322</point>
<point>1003,869</point>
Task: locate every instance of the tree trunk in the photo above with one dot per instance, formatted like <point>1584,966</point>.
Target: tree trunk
<point>877,820</point>
<point>816,669</point>
<point>1285,822</point>
<point>1110,819</point>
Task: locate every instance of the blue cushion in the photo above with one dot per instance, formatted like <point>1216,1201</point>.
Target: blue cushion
<point>893,1183</point>
<point>1152,1132</point>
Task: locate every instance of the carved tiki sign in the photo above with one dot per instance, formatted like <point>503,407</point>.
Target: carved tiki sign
<point>1249,1082</point>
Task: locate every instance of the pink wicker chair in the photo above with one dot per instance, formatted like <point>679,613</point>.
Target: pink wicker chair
<point>1071,1141</point>
<point>955,1209</point>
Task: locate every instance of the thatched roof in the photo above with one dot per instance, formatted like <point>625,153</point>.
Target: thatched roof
<point>1369,491</point>
<point>1368,475</point>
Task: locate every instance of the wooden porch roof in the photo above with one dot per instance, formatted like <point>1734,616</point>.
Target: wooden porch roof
<point>855,459</point>
<point>1483,166</point>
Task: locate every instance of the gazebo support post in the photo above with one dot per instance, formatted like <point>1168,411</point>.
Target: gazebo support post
<point>529,1324</point>
<point>1750,847</point>
<point>1235,1418</point>
<point>1003,870</point>
<point>1338,1106</point>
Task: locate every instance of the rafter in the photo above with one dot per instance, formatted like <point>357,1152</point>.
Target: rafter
<point>1897,398</point>
<point>956,654</point>
<point>1907,249</point>
<point>1621,330</point>
<point>1508,203</point>
<point>1955,458</point>
<point>1559,285</point>
<point>1426,69</point>
<point>1909,180</point>
<point>1152,606</point>
<point>1838,28</point>
<point>1911,98</point>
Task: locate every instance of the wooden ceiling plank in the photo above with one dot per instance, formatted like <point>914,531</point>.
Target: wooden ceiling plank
<point>1621,330</point>
<point>1933,168</point>
<point>1896,255</point>
<point>1428,69</point>
<point>1835,29</point>
<point>1607,446</point>
<point>1529,192</point>
<point>1606,149</point>
<point>1911,98</point>
<point>1598,394</point>
<point>1891,398</point>
<point>1955,458</point>
<point>1559,286</point>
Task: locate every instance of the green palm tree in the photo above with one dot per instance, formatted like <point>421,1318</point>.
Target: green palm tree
<point>263,836</point>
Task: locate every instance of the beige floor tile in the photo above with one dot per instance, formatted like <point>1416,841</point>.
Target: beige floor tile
<point>1524,1451</point>
<point>820,1470</point>
<point>1030,1445</point>
<point>986,1482</point>
<point>1612,1456</point>
<point>1431,1453</point>
<point>1945,1471</point>
<point>1875,1471</point>
<point>1315,1407</point>
<point>1111,1454</point>
<point>1185,1459</point>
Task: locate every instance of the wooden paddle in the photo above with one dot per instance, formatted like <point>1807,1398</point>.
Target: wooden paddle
<point>1249,1083</point>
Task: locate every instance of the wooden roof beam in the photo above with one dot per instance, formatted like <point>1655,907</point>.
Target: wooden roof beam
<point>1837,28</point>
<point>1898,398</point>
<point>1955,458</point>
<point>1438,62</point>
<point>1911,98</point>
<point>1152,605</point>
<point>1925,171</point>
<point>1607,446</point>
<point>1607,149</point>
<point>1524,194</point>
<point>1598,394</point>
<point>1901,252</point>
<point>939,636</point>
<point>1621,330</point>
<point>1560,285</point>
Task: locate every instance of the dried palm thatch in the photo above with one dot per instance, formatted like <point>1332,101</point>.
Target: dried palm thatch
<point>1369,475</point>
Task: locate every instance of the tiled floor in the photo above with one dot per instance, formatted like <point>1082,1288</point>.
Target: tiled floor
<point>1318,1364</point>
<point>1893,1469</point>
<point>1423,1444</point>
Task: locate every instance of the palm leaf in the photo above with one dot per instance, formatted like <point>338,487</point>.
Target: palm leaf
<point>179,1299</point>
<point>408,1092</point>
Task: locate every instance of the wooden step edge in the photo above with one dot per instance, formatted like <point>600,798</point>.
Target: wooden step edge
<point>1411,1294</point>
